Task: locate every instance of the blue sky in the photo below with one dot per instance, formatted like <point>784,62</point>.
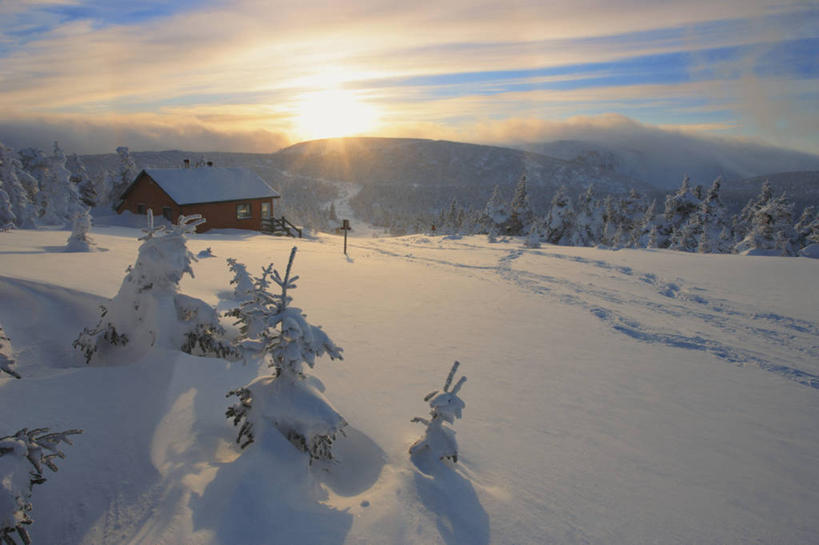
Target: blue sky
<point>259,75</point>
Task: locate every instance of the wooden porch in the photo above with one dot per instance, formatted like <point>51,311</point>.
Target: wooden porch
<point>280,227</point>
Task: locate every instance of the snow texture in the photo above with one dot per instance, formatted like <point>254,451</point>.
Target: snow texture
<point>210,184</point>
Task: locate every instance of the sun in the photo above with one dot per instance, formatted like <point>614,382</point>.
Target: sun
<point>331,113</point>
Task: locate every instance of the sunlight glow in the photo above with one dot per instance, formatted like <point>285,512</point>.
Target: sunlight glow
<point>331,113</point>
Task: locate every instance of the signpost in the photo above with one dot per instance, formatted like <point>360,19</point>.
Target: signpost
<point>345,226</point>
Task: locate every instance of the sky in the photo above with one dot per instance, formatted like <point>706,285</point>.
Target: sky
<point>255,76</point>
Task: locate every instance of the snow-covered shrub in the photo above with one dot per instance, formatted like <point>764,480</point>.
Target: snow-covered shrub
<point>495,215</point>
<point>771,228</point>
<point>22,459</point>
<point>79,241</point>
<point>207,252</point>
<point>6,359</point>
<point>534,237</point>
<point>289,400</point>
<point>148,310</point>
<point>559,225</point>
<point>445,407</point>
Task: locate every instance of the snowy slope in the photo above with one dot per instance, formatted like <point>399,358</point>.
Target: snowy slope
<point>613,397</point>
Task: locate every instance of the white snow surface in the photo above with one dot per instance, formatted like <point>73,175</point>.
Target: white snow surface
<point>614,397</point>
<point>210,184</point>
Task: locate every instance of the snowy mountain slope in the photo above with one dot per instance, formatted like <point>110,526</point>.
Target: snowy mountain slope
<point>661,159</point>
<point>613,397</point>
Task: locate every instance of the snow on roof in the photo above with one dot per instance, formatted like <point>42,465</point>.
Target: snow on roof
<point>210,184</point>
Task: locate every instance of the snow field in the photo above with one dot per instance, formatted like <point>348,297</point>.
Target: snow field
<point>613,397</point>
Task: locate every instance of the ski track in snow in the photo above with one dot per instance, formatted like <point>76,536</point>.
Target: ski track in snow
<point>769,341</point>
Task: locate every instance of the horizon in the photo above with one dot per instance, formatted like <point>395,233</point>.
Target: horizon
<point>244,77</point>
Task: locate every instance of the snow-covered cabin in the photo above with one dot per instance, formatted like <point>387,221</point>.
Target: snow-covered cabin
<point>227,197</point>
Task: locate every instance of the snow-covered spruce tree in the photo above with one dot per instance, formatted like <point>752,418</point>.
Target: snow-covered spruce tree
<point>23,457</point>
<point>805,226</point>
<point>712,222</point>
<point>58,197</point>
<point>534,237</point>
<point>79,241</point>
<point>149,311</point>
<point>82,181</point>
<point>559,224</point>
<point>771,229</point>
<point>12,178</point>
<point>611,222</point>
<point>742,223</point>
<point>520,212</point>
<point>632,213</point>
<point>241,281</point>
<point>588,223</point>
<point>495,214</point>
<point>6,355</point>
<point>7,217</point>
<point>445,407</point>
<point>678,207</point>
<point>122,178</point>
<point>641,234</point>
<point>290,400</point>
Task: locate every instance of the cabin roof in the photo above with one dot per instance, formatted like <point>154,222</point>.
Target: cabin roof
<point>211,184</point>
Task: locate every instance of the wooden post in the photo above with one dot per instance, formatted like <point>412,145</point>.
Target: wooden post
<point>345,226</point>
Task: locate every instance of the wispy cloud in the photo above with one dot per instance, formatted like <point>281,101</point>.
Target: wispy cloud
<point>242,68</point>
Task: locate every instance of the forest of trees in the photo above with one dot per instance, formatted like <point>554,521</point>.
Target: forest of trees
<point>38,188</point>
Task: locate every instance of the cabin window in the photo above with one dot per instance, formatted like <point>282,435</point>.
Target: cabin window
<point>141,208</point>
<point>265,209</point>
<point>166,211</point>
<point>242,211</point>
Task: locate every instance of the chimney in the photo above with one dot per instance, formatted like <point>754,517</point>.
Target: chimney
<point>187,163</point>
<point>210,163</point>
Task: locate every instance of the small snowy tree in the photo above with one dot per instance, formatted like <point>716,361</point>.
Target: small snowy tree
<point>588,224</point>
<point>148,310</point>
<point>678,208</point>
<point>243,283</point>
<point>560,220</point>
<point>79,241</point>
<point>445,407</point>
<point>59,199</point>
<point>805,226</point>
<point>495,214</point>
<point>23,457</point>
<point>6,355</point>
<point>520,212</point>
<point>290,400</point>
<point>125,174</point>
<point>81,180</point>
<point>534,237</point>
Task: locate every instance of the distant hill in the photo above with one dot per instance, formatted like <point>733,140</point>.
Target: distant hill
<point>664,159</point>
<point>407,175</point>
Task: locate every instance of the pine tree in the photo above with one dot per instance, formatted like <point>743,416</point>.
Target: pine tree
<point>23,457</point>
<point>59,200</point>
<point>641,236</point>
<point>79,241</point>
<point>678,207</point>
<point>12,178</point>
<point>82,181</point>
<point>588,220</point>
<point>711,222</point>
<point>804,226</point>
<point>742,223</point>
<point>771,229</point>
<point>149,311</point>
<point>445,407</point>
<point>520,212</point>
<point>123,177</point>
<point>495,214</point>
<point>289,399</point>
<point>534,237</point>
<point>560,219</point>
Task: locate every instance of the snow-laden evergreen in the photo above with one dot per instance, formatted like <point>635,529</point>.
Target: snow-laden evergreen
<point>117,182</point>
<point>7,361</point>
<point>86,188</point>
<point>19,188</point>
<point>771,227</point>
<point>495,214</point>
<point>559,225</point>
<point>23,457</point>
<point>520,211</point>
<point>291,400</point>
<point>79,241</point>
<point>445,407</point>
<point>149,311</point>
<point>678,208</point>
<point>588,220</point>
<point>58,198</point>
<point>241,281</point>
